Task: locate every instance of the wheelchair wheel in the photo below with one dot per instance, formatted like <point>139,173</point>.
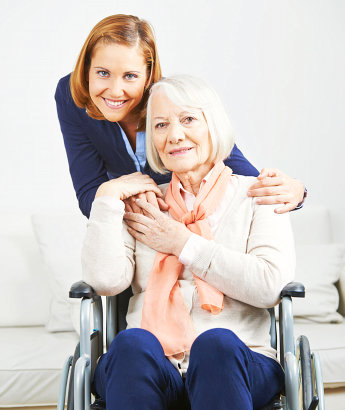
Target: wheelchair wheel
<point>70,395</point>
<point>309,400</point>
<point>96,351</point>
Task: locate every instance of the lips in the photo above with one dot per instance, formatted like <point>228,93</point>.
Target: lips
<point>180,151</point>
<point>113,104</point>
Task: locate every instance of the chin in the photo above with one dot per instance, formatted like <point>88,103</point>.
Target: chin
<point>112,117</point>
<point>180,168</point>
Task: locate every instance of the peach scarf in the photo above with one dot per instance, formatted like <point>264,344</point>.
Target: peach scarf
<point>165,313</point>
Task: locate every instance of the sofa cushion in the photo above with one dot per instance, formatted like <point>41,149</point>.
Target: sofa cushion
<point>60,237</point>
<point>25,295</point>
<point>311,225</point>
<point>329,341</point>
<point>318,268</point>
<point>31,360</point>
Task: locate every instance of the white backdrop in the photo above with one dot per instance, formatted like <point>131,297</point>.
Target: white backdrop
<point>278,65</point>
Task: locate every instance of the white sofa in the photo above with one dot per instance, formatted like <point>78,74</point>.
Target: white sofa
<point>40,260</point>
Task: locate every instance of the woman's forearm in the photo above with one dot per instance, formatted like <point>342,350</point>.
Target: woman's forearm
<point>255,277</point>
<point>107,254</point>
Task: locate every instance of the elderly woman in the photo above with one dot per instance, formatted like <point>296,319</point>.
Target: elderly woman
<point>202,274</point>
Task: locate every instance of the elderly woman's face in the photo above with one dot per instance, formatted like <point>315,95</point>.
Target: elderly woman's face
<point>180,135</point>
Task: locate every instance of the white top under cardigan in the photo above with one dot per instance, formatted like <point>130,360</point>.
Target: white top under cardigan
<point>250,260</point>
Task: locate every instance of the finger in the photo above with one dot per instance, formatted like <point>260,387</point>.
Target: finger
<point>135,207</point>
<point>141,219</point>
<point>150,185</point>
<point>137,235</point>
<point>149,208</point>
<point>140,196</point>
<point>286,208</point>
<point>267,191</point>
<point>143,197</point>
<point>137,226</point>
<point>269,181</point>
<point>269,172</point>
<point>263,173</point>
<point>128,207</point>
<point>151,198</point>
<point>270,200</point>
<point>163,206</point>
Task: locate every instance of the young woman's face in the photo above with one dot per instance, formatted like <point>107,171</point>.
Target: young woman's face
<point>117,78</point>
<point>180,136</point>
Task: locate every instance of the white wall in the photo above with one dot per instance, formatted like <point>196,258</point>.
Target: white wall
<point>278,65</point>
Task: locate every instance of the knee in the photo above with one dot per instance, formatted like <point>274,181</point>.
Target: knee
<point>219,341</point>
<point>133,341</point>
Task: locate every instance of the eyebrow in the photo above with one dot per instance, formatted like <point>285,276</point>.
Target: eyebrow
<point>180,114</point>
<point>125,72</point>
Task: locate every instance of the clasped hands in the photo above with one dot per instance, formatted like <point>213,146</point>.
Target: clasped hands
<point>156,230</point>
<point>272,187</point>
<point>146,223</point>
<point>144,203</point>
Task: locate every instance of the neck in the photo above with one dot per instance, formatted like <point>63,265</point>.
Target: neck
<point>192,179</point>
<point>130,125</point>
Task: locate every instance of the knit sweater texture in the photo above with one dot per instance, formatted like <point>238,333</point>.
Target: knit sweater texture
<point>250,260</point>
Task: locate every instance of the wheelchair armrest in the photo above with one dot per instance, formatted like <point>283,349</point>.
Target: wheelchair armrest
<point>293,289</point>
<point>286,334</point>
<point>81,290</point>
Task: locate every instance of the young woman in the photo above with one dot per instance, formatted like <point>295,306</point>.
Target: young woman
<point>101,109</point>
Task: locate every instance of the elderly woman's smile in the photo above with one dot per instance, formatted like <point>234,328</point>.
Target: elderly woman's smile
<point>180,151</point>
<point>181,138</point>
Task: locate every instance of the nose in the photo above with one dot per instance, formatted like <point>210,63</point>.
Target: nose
<point>176,133</point>
<point>116,88</point>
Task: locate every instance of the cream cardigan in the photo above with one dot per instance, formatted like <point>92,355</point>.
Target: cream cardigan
<point>250,260</point>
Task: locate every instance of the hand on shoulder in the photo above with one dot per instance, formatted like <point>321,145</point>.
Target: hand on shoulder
<point>275,187</point>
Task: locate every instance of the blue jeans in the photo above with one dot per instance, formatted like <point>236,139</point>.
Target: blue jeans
<point>223,373</point>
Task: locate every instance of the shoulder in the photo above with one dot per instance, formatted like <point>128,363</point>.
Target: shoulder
<point>63,92</point>
<point>63,85</point>
<point>244,182</point>
<point>66,107</point>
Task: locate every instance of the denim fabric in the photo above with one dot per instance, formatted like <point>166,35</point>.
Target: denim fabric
<point>223,373</point>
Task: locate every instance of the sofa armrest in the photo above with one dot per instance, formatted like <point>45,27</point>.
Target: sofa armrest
<point>81,290</point>
<point>293,289</point>
<point>341,290</point>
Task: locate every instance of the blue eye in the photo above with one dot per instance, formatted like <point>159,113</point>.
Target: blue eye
<point>131,76</point>
<point>102,73</point>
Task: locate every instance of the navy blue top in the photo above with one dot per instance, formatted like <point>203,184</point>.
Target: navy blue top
<point>96,151</point>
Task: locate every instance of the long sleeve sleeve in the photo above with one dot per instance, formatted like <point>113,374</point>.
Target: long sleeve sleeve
<point>257,276</point>
<point>85,163</point>
<point>108,250</point>
<point>239,164</point>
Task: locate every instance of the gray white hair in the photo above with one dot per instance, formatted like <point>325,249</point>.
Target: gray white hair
<point>187,91</point>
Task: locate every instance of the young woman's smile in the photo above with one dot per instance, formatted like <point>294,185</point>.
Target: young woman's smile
<point>117,79</point>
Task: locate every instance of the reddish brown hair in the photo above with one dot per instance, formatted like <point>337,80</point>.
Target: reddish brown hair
<point>121,29</point>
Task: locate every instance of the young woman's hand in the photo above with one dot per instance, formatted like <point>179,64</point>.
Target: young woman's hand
<point>157,230</point>
<point>275,187</point>
<point>127,185</point>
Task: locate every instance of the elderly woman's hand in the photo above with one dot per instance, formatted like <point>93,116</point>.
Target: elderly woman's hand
<point>275,187</point>
<point>157,230</point>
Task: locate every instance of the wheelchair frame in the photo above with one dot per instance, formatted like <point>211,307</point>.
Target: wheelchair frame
<point>303,374</point>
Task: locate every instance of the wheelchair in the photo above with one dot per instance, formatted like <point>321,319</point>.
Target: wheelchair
<point>303,375</point>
